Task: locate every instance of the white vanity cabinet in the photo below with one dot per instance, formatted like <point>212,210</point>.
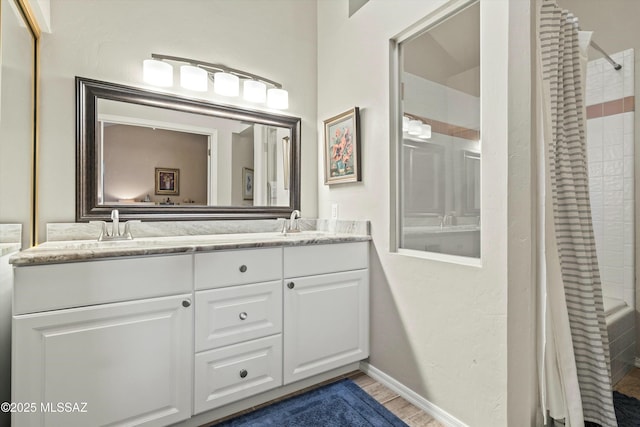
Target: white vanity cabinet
<point>114,363</point>
<point>184,339</point>
<point>326,308</point>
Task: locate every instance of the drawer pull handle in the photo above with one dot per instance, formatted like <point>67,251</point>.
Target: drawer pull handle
<point>186,303</point>
<point>291,285</point>
<point>243,268</point>
<point>243,373</point>
<point>243,315</point>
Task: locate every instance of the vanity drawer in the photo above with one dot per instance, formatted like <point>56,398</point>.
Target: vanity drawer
<point>239,313</point>
<point>57,286</point>
<point>320,259</point>
<point>235,372</point>
<point>225,268</point>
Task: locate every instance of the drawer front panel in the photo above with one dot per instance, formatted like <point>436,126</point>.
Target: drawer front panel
<point>225,268</point>
<point>56,286</point>
<point>321,259</point>
<point>239,313</point>
<point>238,371</point>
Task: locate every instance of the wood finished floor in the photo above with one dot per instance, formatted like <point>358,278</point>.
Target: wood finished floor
<point>414,416</point>
<point>408,413</point>
<point>630,384</point>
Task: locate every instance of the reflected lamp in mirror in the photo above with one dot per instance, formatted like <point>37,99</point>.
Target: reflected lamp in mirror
<point>226,81</point>
<point>414,127</point>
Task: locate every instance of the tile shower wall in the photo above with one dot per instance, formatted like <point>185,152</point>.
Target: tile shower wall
<point>610,148</point>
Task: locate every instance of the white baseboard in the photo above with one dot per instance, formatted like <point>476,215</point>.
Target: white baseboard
<point>636,362</point>
<point>439,414</point>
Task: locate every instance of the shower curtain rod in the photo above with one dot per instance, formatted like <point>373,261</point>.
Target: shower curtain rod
<point>615,65</point>
<point>595,45</point>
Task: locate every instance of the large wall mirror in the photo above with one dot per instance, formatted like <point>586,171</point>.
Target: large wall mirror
<point>439,150</point>
<point>18,48</point>
<point>155,156</point>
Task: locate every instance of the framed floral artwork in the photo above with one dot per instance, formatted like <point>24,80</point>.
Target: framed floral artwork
<point>342,148</point>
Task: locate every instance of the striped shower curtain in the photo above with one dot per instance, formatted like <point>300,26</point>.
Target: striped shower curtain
<point>575,379</point>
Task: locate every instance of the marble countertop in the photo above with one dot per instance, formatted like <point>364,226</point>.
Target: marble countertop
<point>10,238</point>
<point>54,252</point>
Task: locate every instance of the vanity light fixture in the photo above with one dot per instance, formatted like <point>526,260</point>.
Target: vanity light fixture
<point>226,81</point>
<point>416,128</point>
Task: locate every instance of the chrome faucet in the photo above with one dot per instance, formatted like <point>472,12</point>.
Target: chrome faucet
<point>115,229</point>
<point>447,220</point>
<point>115,222</point>
<point>292,226</point>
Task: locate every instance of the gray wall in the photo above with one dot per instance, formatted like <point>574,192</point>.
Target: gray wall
<point>107,40</point>
<point>449,332</point>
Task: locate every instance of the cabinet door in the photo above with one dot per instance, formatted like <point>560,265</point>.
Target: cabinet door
<point>129,362</point>
<point>326,322</point>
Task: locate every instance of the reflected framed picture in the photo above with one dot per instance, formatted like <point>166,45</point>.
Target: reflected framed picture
<point>247,184</point>
<point>342,148</point>
<point>167,181</point>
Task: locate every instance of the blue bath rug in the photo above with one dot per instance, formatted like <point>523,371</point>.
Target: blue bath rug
<point>340,404</point>
<point>627,410</point>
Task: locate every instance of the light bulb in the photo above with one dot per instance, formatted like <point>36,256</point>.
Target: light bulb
<point>405,124</point>
<point>425,132</point>
<point>415,127</point>
<point>157,73</point>
<point>254,91</point>
<point>226,84</point>
<point>278,99</point>
<point>193,78</point>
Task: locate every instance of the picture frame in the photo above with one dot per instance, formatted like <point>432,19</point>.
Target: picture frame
<point>247,184</point>
<point>342,148</point>
<point>167,181</point>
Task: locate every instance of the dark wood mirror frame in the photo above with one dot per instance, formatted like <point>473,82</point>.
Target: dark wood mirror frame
<point>88,92</point>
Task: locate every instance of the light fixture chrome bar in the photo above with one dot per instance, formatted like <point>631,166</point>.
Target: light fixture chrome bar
<point>615,65</point>
<point>216,67</point>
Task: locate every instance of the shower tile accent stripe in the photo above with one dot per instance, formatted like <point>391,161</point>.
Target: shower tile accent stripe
<point>609,108</point>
